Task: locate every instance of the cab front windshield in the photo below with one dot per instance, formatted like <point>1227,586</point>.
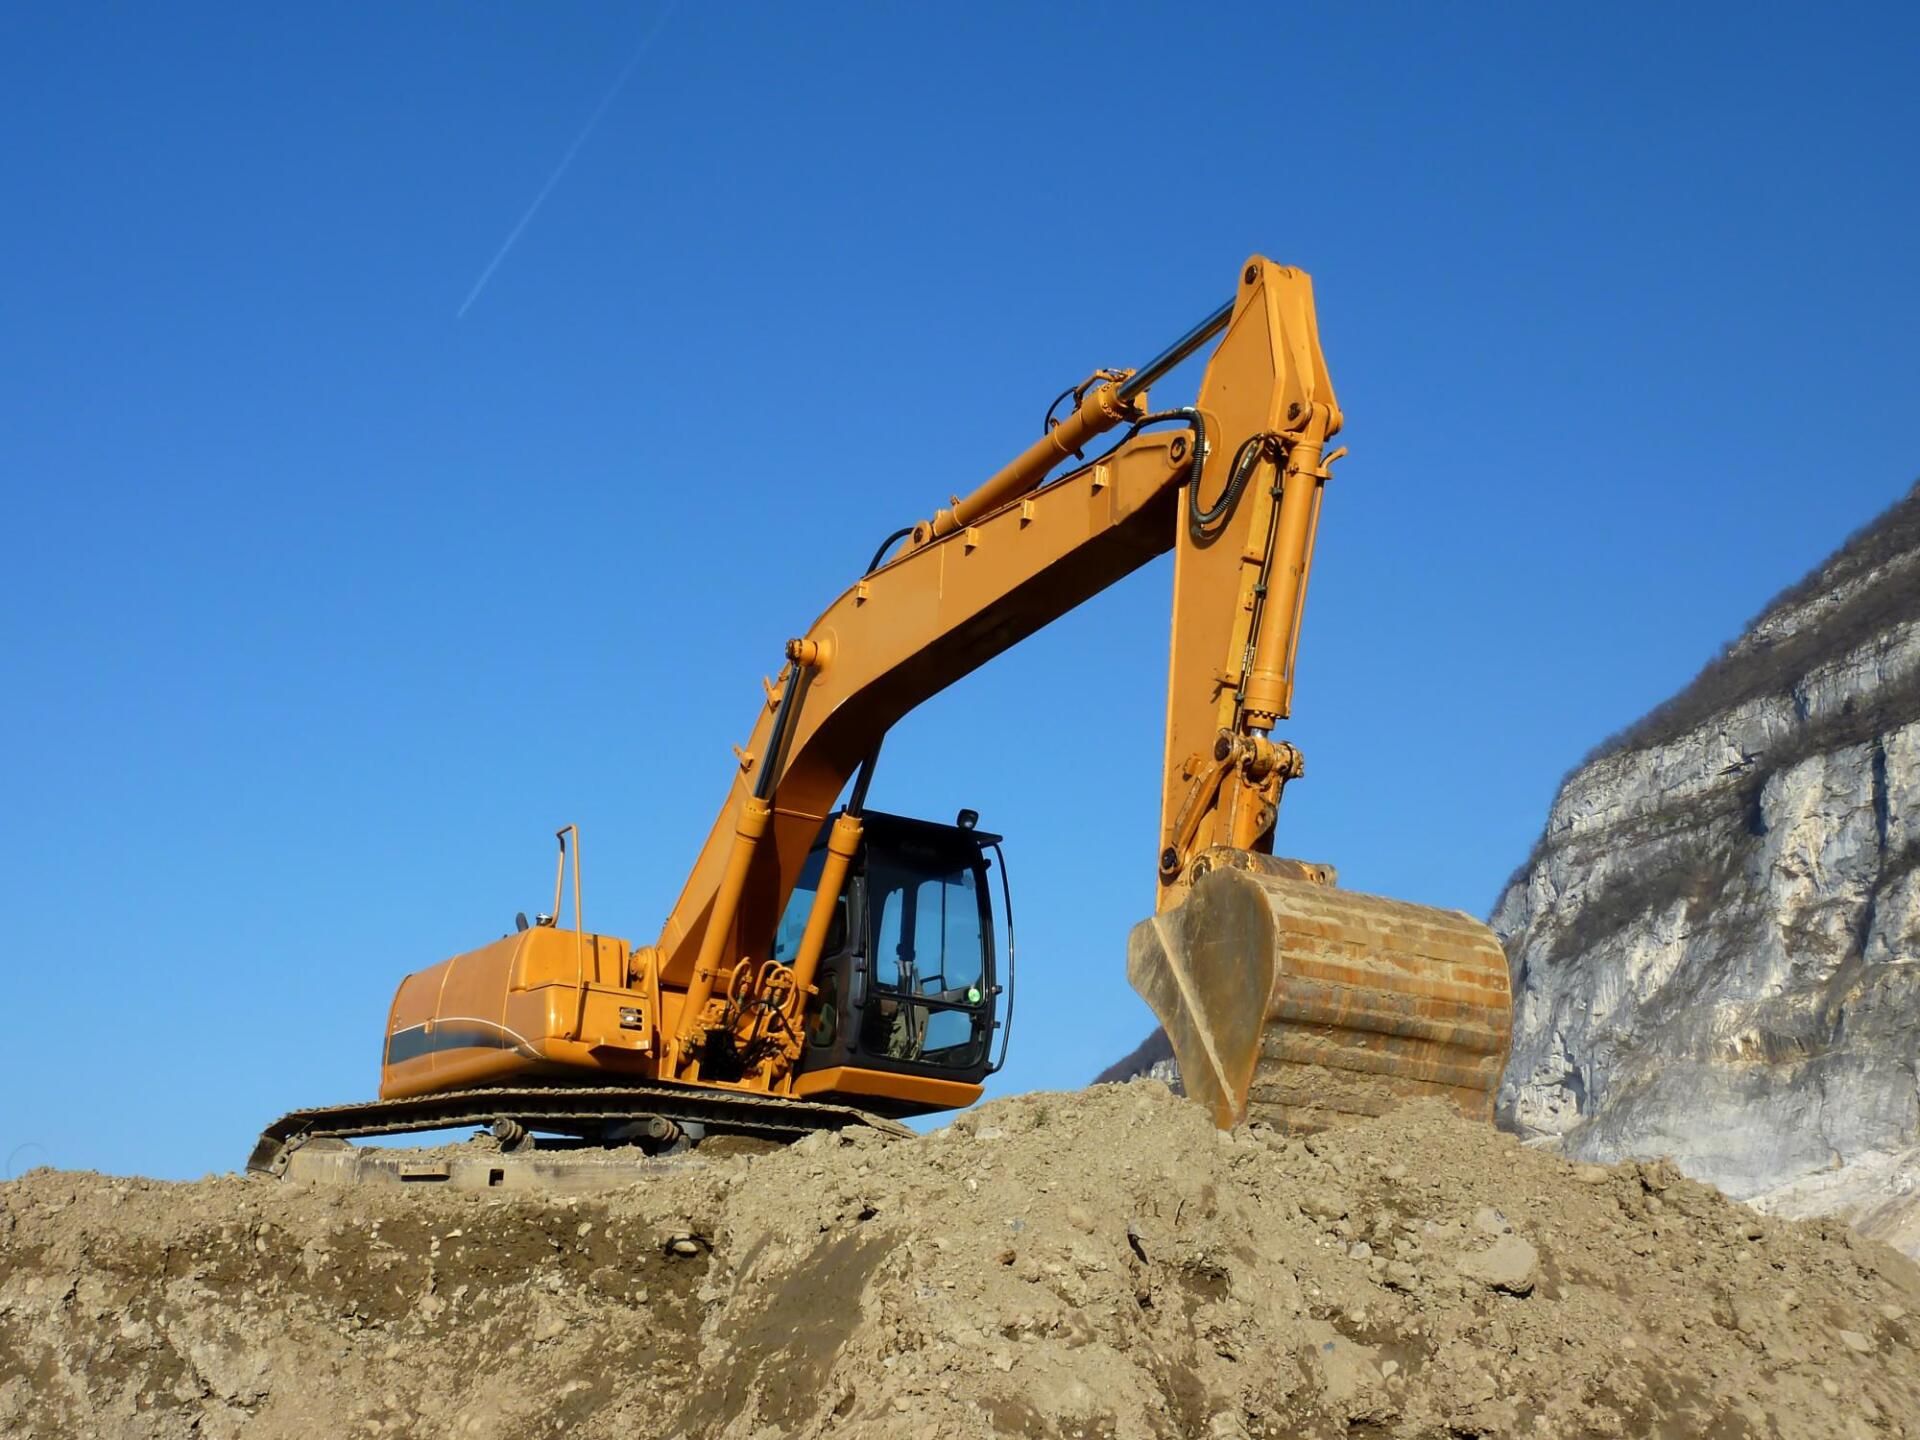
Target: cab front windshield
<point>927,923</point>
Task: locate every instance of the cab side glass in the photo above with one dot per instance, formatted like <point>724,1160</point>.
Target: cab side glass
<point>793,920</point>
<point>926,932</point>
<point>949,1038</point>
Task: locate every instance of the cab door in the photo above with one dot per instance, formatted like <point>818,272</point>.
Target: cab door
<point>928,1002</point>
<point>906,978</point>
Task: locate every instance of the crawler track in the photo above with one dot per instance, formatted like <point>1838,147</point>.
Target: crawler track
<point>566,1110</point>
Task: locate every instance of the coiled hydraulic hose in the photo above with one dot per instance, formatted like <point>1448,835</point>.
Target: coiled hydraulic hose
<point>1201,519</point>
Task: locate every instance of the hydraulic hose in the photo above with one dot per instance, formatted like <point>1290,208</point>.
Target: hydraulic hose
<point>1202,518</point>
<point>1199,519</point>
<point>1186,415</point>
<point>885,545</point>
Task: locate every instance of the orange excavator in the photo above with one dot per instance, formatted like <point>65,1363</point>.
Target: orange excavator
<point>829,965</point>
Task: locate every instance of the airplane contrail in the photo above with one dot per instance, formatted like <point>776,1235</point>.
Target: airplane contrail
<point>559,170</point>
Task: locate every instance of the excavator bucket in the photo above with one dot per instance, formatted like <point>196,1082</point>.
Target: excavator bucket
<point>1302,1005</point>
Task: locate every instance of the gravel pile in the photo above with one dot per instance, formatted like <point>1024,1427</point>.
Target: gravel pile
<point>1100,1264</point>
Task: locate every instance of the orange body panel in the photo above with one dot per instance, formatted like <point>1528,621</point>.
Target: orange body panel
<point>527,1003</point>
<point>906,1094</point>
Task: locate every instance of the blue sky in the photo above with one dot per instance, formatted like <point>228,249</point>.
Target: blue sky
<point>324,603</point>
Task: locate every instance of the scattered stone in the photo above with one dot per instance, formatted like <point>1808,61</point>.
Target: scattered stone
<point>1324,1203</point>
<point>1400,1275</point>
<point>1489,1221</point>
<point>1509,1264</point>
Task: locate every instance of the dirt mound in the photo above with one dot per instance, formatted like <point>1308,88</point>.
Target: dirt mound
<point>1099,1264</point>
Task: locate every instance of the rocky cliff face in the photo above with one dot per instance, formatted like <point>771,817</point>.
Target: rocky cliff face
<point>1716,942</point>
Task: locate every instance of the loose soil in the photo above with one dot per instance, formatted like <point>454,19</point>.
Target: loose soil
<point>1102,1264</point>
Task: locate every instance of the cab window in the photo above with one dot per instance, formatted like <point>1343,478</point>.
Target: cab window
<point>793,920</point>
<point>926,931</point>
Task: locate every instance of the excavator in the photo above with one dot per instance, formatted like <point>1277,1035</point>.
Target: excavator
<point>827,965</point>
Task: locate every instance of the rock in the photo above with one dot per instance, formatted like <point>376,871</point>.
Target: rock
<point>1324,1203</point>
<point>1509,1264</point>
<point>1489,1221</point>
<point>1856,1342</point>
<point>1344,1369</point>
<point>1715,941</point>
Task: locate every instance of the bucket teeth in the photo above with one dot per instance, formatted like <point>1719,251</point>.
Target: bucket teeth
<point>1301,1005</point>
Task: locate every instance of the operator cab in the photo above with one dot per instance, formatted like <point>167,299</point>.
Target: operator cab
<point>908,981</point>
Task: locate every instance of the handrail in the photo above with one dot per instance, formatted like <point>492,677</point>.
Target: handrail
<point>579,925</point>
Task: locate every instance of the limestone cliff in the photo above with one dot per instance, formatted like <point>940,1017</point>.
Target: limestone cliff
<point>1716,942</point>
